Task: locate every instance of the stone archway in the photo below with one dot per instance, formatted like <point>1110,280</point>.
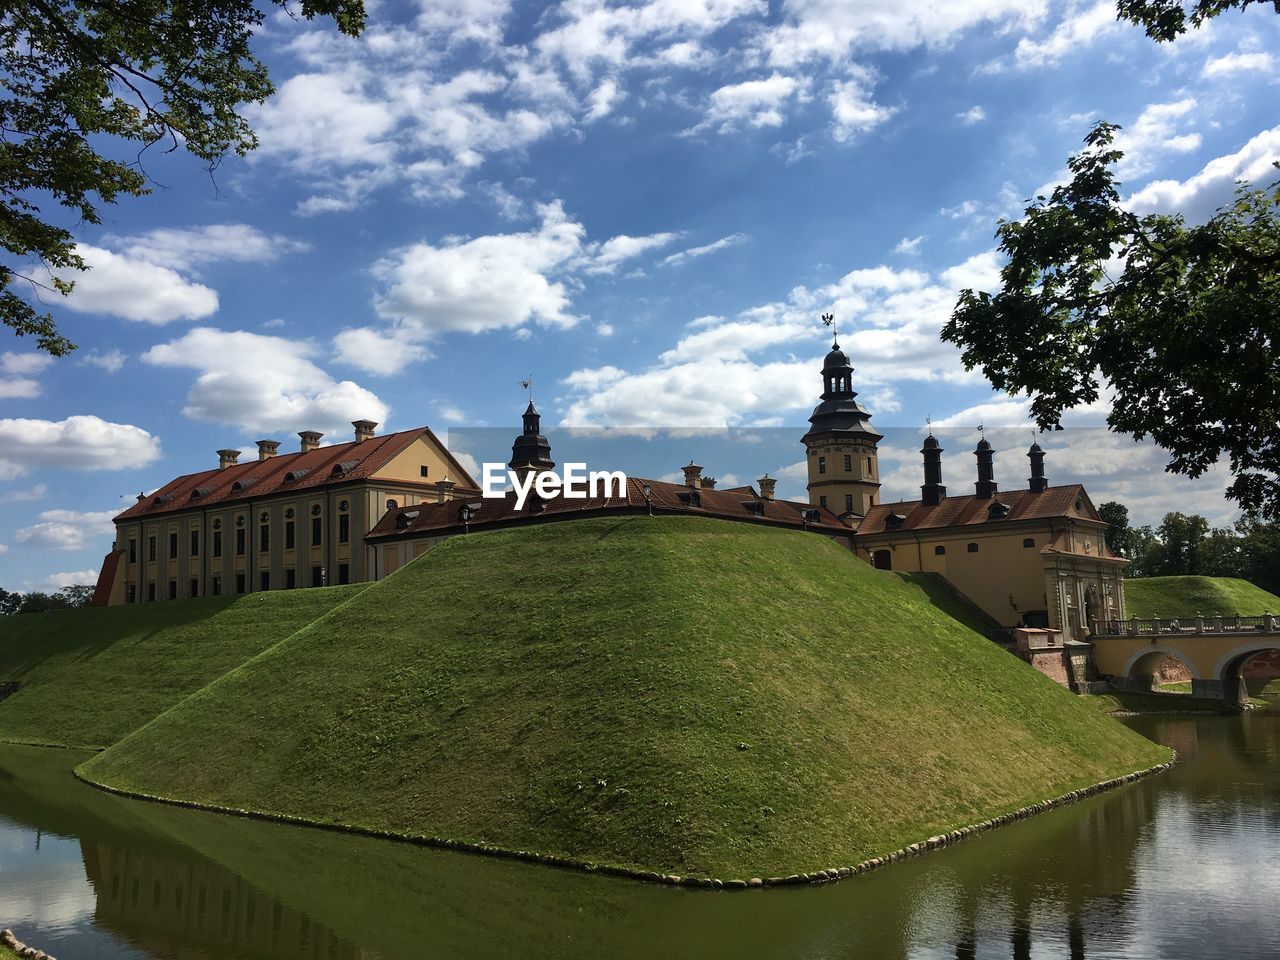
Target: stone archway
<point>1231,669</point>
<point>1148,670</point>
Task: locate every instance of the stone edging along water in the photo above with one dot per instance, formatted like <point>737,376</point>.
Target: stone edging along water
<point>820,876</point>
<point>8,939</point>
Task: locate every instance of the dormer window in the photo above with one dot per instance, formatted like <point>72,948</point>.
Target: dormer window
<point>894,520</point>
<point>343,468</point>
<point>244,484</point>
<point>405,519</point>
<point>998,510</point>
<point>161,500</point>
<point>293,476</point>
<point>200,492</point>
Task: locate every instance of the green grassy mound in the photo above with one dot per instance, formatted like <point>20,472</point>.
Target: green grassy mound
<point>91,676</point>
<point>675,694</point>
<point>1188,596</point>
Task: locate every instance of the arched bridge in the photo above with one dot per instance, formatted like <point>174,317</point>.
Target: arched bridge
<point>1213,649</point>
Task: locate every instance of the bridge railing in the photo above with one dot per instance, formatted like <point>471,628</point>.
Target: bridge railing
<point>1187,626</point>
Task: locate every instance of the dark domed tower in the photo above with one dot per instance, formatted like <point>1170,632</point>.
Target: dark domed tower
<point>841,446</point>
<point>531,453</point>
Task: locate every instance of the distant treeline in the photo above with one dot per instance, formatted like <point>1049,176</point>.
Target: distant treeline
<point>36,602</point>
<point>1185,544</point>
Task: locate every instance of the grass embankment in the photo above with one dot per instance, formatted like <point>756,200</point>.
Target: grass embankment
<point>669,694</point>
<point>1182,597</point>
<point>1167,700</point>
<point>89,677</point>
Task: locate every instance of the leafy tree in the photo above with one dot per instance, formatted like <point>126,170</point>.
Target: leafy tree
<point>76,73</point>
<point>77,595</point>
<point>1118,533</point>
<point>1182,321</point>
<point>1169,19</point>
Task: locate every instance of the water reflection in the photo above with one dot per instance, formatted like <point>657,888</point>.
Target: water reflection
<point>1177,866</point>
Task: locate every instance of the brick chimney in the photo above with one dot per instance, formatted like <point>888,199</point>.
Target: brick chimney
<point>267,449</point>
<point>310,440</point>
<point>227,458</point>
<point>693,476</point>
<point>708,483</point>
<point>767,483</point>
<point>364,429</point>
<point>444,490</point>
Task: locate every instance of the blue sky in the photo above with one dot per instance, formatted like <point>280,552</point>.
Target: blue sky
<point>646,206</point>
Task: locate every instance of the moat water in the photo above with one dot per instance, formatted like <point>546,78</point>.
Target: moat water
<point>1185,864</point>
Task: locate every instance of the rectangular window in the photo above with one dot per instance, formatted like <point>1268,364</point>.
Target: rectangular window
<point>290,578</point>
<point>423,470</point>
<point>130,593</point>
<point>264,581</point>
<point>217,543</point>
<point>822,464</point>
<point>217,586</point>
<point>173,546</point>
<point>195,543</point>
<point>848,463</point>
<point>344,528</point>
<point>288,535</point>
<point>133,549</point>
<point>239,583</point>
<point>151,549</point>
<point>344,573</point>
<point>173,589</point>
<point>240,543</point>
<point>264,538</point>
<point>317,576</point>
<point>822,502</point>
<point>151,590</point>
<point>848,503</point>
<point>870,467</point>
<point>316,529</point>
<point>195,587</point>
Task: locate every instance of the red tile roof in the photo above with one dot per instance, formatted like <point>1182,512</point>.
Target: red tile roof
<point>740,503</point>
<point>287,472</point>
<point>969,510</point>
<point>106,579</point>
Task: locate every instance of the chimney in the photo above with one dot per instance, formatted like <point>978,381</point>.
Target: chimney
<point>986,485</point>
<point>310,440</point>
<point>693,476</point>
<point>1037,482</point>
<point>767,484</point>
<point>227,458</point>
<point>933,492</point>
<point>364,429</point>
<point>708,483</point>
<point>444,490</point>
<point>267,449</point>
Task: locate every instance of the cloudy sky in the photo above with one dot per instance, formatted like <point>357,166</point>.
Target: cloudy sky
<point>646,206</point>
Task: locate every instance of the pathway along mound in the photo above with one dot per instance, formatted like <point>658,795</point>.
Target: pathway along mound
<point>676,695</point>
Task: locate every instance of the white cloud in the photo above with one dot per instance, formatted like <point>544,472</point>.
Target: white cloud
<point>25,496</point>
<point>187,247</point>
<point>1200,195</point>
<point>67,529</point>
<point>974,114</point>
<point>608,256</point>
<point>853,110</point>
<point>135,289</point>
<point>23,363</point>
<point>1083,25</point>
<point>258,382</point>
<point>76,443</point>
<point>603,99</point>
<point>74,578</point>
<point>684,256</point>
<point>111,361</point>
<point>1258,61</point>
<point>377,351</point>
<point>909,245</point>
<point>1154,135</point>
<point>755,103</point>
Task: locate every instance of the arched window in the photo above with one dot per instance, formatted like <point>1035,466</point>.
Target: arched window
<point>939,550</point>
<point>972,548</point>
<point>1029,542</point>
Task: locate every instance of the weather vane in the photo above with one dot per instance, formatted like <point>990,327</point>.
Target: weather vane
<point>830,320</point>
<point>928,423</point>
<point>982,431</point>
<point>527,384</point>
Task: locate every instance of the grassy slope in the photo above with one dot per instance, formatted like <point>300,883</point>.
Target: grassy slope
<point>674,694</point>
<point>1188,596</point>
<point>91,676</point>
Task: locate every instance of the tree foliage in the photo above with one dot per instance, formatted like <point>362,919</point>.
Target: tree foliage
<point>1182,322</point>
<point>1166,20</point>
<point>67,598</point>
<point>77,73</point>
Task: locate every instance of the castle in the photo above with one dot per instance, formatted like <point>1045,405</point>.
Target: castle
<point>357,511</point>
